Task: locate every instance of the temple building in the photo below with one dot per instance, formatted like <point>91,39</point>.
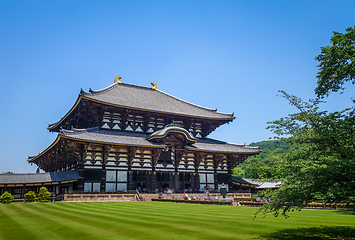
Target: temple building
<point>127,137</point>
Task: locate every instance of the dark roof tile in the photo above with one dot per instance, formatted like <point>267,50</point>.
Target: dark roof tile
<point>145,98</point>
<point>39,177</point>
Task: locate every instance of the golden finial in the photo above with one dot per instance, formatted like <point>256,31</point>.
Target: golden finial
<point>117,79</point>
<point>155,86</point>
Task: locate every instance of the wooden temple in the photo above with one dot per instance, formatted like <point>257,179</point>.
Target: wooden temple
<point>127,137</point>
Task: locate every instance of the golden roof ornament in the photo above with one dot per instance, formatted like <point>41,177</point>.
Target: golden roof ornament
<point>155,86</point>
<point>117,79</point>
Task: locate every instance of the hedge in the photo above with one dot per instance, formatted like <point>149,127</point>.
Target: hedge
<point>192,201</point>
<point>253,204</point>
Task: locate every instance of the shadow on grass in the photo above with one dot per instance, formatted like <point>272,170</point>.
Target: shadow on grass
<point>316,233</point>
<point>346,212</point>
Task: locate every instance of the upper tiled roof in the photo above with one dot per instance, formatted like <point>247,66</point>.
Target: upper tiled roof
<point>145,98</point>
<point>106,136</point>
<point>139,139</point>
<point>39,177</point>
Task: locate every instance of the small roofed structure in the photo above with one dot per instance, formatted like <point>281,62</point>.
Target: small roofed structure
<point>17,184</point>
<point>253,185</point>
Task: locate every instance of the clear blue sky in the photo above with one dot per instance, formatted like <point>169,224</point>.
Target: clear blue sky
<point>230,55</point>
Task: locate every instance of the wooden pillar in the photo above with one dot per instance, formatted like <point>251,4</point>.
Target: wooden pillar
<point>103,179</point>
<point>171,179</point>
<point>154,181</point>
<point>176,180</point>
<point>59,188</point>
<point>155,157</point>
<point>231,163</point>
<point>131,153</point>
<point>23,190</point>
<point>148,181</point>
<point>130,180</point>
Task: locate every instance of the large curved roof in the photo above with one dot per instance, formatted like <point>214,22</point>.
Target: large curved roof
<point>149,99</point>
<point>96,135</point>
<point>129,96</point>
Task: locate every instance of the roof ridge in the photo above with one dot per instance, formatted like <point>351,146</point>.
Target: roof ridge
<point>104,90</point>
<point>209,109</point>
<point>114,85</point>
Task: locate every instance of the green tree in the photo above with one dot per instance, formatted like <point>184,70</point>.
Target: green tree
<point>8,172</point>
<point>30,196</point>
<point>323,165</point>
<point>265,164</point>
<point>43,195</point>
<point>6,197</point>
<point>337,63</point>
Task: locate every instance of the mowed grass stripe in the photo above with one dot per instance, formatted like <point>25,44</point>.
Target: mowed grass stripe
<point>151,220</point>
<point>14,224</point>
<point>28,223</point>
<point>186,221</point>
<point>57,221</point>
<point>174,226</point>
<point>126,226</point>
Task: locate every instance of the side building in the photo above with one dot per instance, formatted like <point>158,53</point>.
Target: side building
<point>127,137</point>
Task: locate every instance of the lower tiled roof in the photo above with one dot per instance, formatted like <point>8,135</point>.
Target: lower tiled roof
<point>259,184</point>
<point>211,145</point>
<point>30,178</point>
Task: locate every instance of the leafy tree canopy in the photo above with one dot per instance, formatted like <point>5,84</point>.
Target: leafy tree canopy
<point>8,172</point>
<point>265,164</point>
<point>323,164</point>
<point>336,63</point>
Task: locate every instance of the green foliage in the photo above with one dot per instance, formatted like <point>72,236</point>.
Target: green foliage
<point>337,63</point>
<point>30,196</point>
<point>6,197</point>
<point>43,195</point>
<point>323,164</point>
<point>238,171</point>
<point>8,172</point>
<point>265,164</point>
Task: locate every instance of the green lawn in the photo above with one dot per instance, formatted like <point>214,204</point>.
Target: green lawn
<point>162,220</point>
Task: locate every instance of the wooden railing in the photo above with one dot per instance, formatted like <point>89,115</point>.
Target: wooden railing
<point>99,197</point>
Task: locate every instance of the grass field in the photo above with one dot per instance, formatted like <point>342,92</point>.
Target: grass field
<point>160,220</point>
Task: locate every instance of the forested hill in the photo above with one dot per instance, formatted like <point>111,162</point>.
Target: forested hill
<point>263,165</point>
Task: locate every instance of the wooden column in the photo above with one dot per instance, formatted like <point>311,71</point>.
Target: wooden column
<point>217,158</point>
<point>178,154</point>
<point>23,190</point>
<point>231,163</point>
<point>155,158</point>
<point>105,153</point>
<point>131,153</point>
<point>60,188</point>
<point>198,159</point>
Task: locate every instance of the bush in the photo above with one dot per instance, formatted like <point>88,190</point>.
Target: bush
<point>6,197</point>
<point>43,195</point>
<point>30,196</point>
